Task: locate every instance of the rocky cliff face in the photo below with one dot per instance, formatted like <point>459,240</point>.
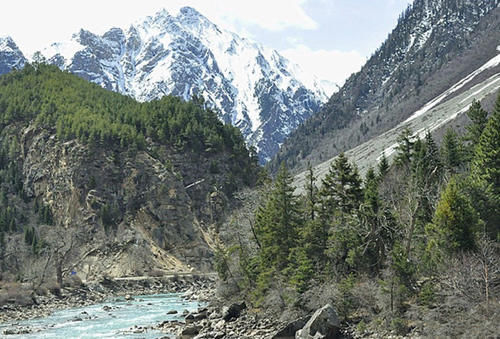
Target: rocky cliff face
<point>150,222</point>
<point>115,212</point>
<point>253,88</point>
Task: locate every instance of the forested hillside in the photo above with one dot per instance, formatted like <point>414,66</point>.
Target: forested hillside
<point>87,174</point>
<point>410,248</point>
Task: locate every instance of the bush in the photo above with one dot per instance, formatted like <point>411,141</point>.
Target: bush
<point>426,295</point>
<point>399,326</point>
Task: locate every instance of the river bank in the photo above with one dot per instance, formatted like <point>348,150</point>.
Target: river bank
<point>25,304</point>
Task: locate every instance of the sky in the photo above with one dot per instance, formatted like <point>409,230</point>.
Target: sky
<point>328,38</point>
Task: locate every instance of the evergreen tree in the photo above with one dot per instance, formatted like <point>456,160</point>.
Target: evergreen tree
<point>377,223</point>
<point>455,221</point>
<point>485,173</point>
<point>479,118</point>
<point>426,172</point>
<point>311,197</point>
<point>383,166</point>
<point>486,163</point>
<point>300,268</point>
<point>278,221</point>
<point>314,232</point>
<point>451,151</point>
<point>404,149</point>
<point>341,187</point>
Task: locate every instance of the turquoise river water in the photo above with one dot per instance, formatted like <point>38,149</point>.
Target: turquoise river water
<point>113,319</point>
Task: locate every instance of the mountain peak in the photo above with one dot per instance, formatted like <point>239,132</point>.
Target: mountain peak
<point>190,11</point>
<point>7,41</point>
<point>190,17</point>
<point>11,56</point>
<point>185,54</point>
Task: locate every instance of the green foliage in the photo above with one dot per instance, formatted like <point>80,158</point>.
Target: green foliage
<point>455,218</point>
<point>8,216</point>
<point>277,222</point>
<point>45,215</point>
<point>404,148</point>
<point>427,294</point>
<point>403,224</point>
<point>311,196</point>
<point>383,166</point>
<point>451,151</point>
<point>31,239</point>
<point>341,187</point>
<point>81,110</point>
<point>486,162</point>
<point>399,325</point>
<point>222,261</point>
<point>300,269</point>
<point>479,118</point>
<point>376,224</point>
<point>346,303</point>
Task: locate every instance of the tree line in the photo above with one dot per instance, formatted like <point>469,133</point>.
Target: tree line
<point>403,222</point>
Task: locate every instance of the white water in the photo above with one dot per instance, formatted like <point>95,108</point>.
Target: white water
<point>97,321</point>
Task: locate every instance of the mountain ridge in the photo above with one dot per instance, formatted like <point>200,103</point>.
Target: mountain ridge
<point>433,46</point>
<point>254,88</point>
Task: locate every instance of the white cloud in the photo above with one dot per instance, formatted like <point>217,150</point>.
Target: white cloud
<point>330,65</point>
<point>34,24</point>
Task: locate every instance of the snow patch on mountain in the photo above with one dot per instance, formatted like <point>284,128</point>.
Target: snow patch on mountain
<point>495,61</point>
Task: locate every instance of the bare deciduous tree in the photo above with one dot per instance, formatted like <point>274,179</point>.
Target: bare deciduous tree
<point>473,275</point>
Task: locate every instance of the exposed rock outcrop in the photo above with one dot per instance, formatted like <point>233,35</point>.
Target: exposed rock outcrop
<point>324,324</point>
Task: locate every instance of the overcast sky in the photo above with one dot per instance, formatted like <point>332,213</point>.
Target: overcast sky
<point>329,38</point>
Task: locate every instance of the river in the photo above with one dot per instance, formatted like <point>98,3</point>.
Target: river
<point>116,318</point>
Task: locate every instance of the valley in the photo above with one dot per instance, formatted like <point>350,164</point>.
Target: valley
<point>174,178</point>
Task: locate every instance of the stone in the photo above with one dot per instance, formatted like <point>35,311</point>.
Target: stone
<point>324,324</point>
<point>233,311</point>
<point>190,331</point>
<point>289,330</point>
<point>189,319</point>
<point>220,325</point>
<point>172,312</point>
<point>200,316</point>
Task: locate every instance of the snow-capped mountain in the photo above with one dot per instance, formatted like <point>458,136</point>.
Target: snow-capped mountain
<point>435,45</point>
<point>11,56</point>
<point>252,87</point>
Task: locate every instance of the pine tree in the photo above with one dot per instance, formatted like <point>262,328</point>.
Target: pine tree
<point>455,221</point>
<point>341,187</point>
<point>485,173</point>
<point>404,148</point>
<point>451,151</point>
<point>311,197</point>
<point>377,223</point>
<point>486,163</point>
<point>426,171</point>
<point>479,118</point>
<point>315,231</point>
<point>383,166</point>
<point>278,221</point>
